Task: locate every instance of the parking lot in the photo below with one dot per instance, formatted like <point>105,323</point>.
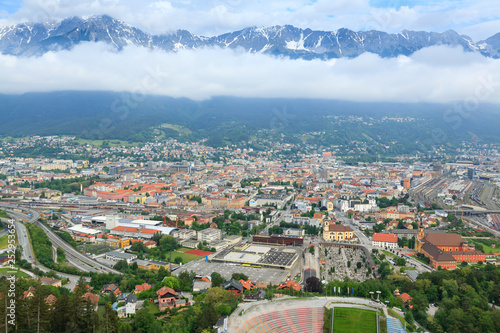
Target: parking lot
<point>275,276</point>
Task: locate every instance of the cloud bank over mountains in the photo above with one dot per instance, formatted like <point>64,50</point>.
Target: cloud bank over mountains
<point>436,74</point>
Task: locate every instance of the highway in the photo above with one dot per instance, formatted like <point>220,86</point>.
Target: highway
<point>75,258</point>
<point>27,254</point>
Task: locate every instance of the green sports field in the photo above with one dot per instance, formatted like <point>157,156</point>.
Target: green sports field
<point>350,320</point>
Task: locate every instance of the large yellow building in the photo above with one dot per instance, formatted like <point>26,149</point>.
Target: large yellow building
<point>152,265</point>
<point>337,232</point>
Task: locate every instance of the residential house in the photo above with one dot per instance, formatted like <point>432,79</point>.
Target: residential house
<point>142,287</point>
<point>92,298</point>
<point>234,286</point>
<point>51,300</point>
<point>50,282</point>
<point>29,293</point>
<point>110,288</point>
<point>290,285</point>
<point>168,298</point>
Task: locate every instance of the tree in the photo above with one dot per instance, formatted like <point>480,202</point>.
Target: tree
<point>156,327</point>
<point>186,280</point>
<point>217,279</point>
<point>239,276</point>
<point>109,319</point>
<point>313,284</point>
<point>121,266</point>
<point>143,320</point>
<point>216,296</point>
<point>172,282</point>
<point>409,317</point>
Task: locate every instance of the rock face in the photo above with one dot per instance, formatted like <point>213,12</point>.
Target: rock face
<point>34,39</point>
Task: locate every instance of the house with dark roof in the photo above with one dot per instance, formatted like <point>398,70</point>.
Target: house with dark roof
<point>4,258</point>
<point>253,297</point>
<point>130,301</point>
<point>110,288</point>
<point>234,286</point>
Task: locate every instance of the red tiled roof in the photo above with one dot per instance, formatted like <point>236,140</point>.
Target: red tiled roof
<point>290,284</point>
<point>165,290</point>
<point>247,284</point>
<point>127,229</point>
<point>379,237</point>
<point>92,297</point>
<point>149,231</point>
<point>405,297</point>
<point>142,287</point>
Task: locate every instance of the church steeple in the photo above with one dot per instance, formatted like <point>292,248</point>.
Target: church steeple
<point>420,239</point>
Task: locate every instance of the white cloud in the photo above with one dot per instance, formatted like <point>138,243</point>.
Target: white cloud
<point>436,74</point>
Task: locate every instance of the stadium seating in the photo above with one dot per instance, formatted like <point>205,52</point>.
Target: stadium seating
<point>294,320</point>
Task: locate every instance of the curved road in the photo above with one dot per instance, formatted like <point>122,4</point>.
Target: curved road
<point>77,259</point>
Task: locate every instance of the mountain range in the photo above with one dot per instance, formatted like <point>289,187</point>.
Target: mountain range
<point>35,39</point>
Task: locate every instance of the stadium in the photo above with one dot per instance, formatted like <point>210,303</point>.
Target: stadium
<point>258,256</point>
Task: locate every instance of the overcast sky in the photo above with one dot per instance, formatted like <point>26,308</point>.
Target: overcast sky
<point>437,74</point>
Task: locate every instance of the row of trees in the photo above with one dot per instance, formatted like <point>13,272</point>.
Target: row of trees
<point>42,247</point>
<point>70,313</point>
<point>63,185</point>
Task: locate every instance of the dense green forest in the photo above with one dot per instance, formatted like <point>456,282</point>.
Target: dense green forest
<point>227,120</point>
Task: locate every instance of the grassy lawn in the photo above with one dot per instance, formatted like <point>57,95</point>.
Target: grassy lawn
<point>4,214</point>
<point>349,320</point>
<point>178,128</point>
<point>4,241</point>
<point>186,257</point>
<point>151,307</point>
<point>18,273</point>
<point>383,324</point>
<point>387,253</point>
<point>486,248</point>
<point>183,249</point>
